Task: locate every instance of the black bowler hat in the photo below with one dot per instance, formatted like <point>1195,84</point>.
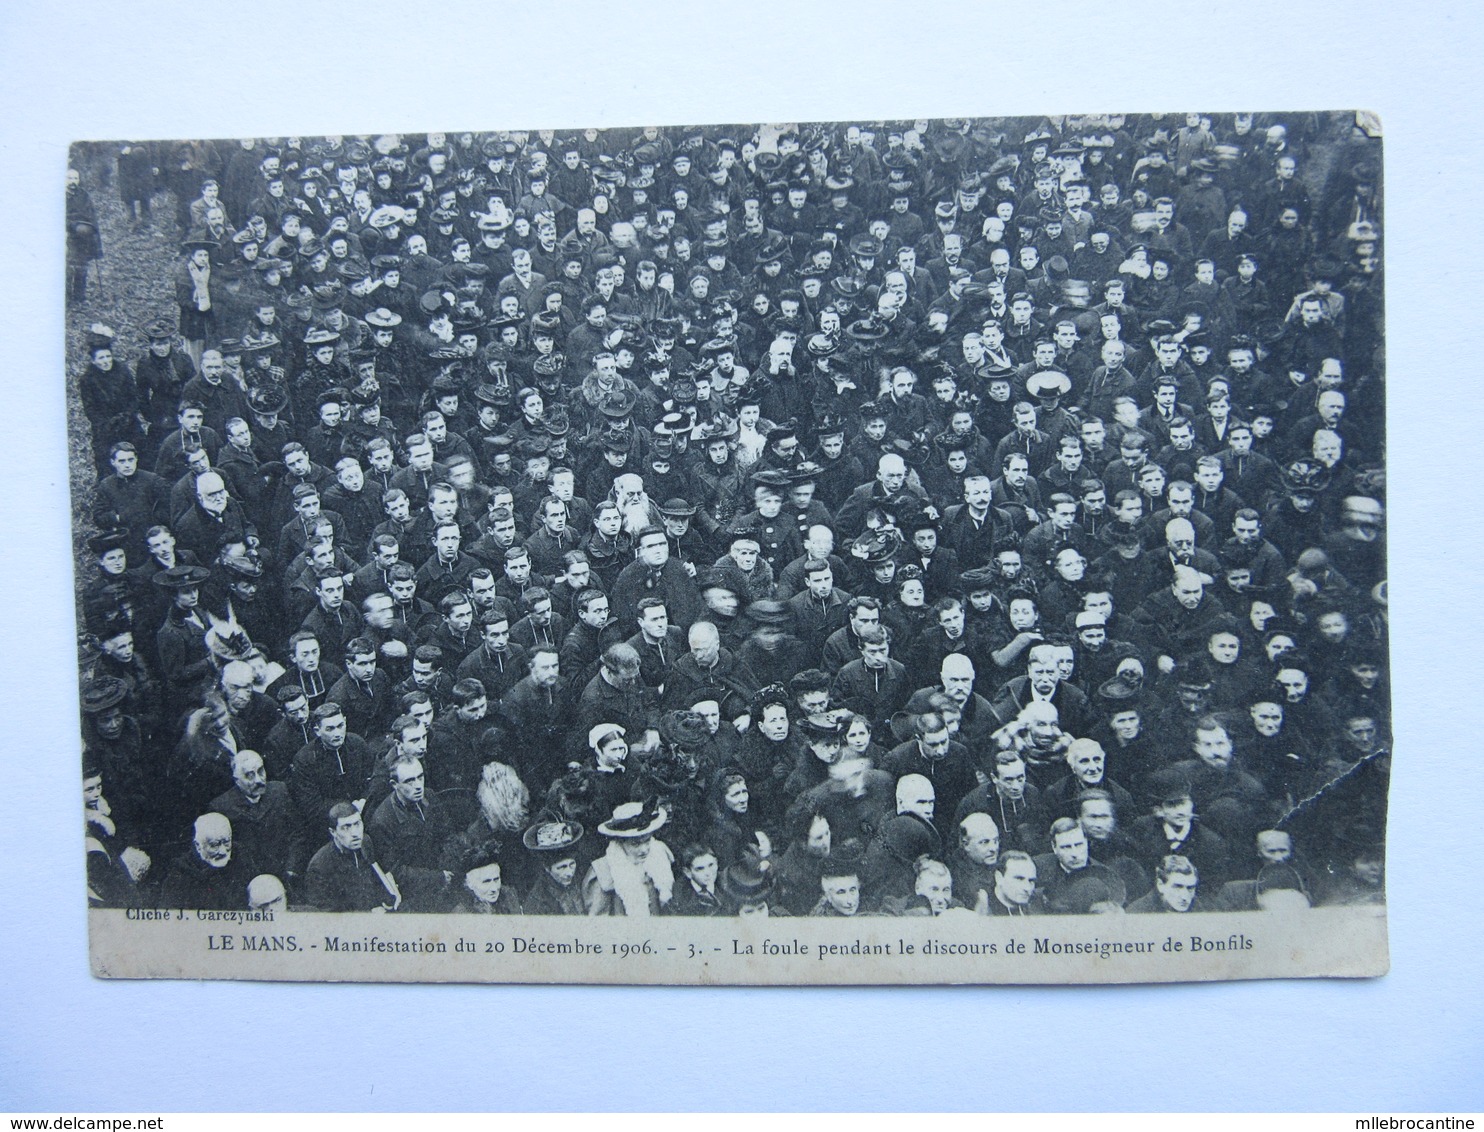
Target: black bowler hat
<point>771,477</point>
<point>617,405</point>
<point>747,882</point>
<point>182,577</point>
<point>769,612</point>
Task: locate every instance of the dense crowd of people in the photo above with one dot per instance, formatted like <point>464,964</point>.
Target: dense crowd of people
<point>976,516</point>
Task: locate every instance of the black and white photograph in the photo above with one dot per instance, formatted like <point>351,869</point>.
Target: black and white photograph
<point>912,522</point>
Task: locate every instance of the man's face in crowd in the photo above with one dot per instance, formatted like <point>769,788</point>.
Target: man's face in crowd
<point>821,583</point>
<point>1071,849</point>
<point>608,521</point>
<point>249,775</point>
<point>408,782</point>
<point>380,611</point>
<point>1177,891</point>
<point>214,843</point>
<point>331,731</point>
<point>980,840</point>
<point>349,833</point>
<point>1209,477</point>
<point>518,569</point>
<point>1214,748</point>
<point>1188,591</point>
<point>237,689</point>
<point>936,887</point>
<point>332,592</point>
<point>654,622</point>
<point>1015,881</point>
<point>1178,812</point>
<point>1009,779</point>
<point>1129,510</point>
<point>447,543</point>
<point>420,457</point>
<point>1097,819</point>
<point>1125,725</point>
<point>595,613</point>
<point>361,666</point>
<point>1043,675</point>
<point>1274,846</point>
<point>1087,762</point>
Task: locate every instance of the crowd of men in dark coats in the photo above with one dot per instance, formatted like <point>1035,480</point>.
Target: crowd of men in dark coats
<point>980,516</point>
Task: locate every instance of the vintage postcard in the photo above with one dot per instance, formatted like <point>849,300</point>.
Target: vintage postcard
<point>940,551</point>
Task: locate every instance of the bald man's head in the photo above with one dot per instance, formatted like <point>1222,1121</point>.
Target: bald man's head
<point>705,642</point>
<point>915,796</point>
<point>265,893</point>
<point>249,774</point>
<point>979,838</point>
<point>891,472</point>
<point>237,684</point>
<point>1039,711</point>
<point>1180,533</point>
<point>957,674</point>
<point>1188,586</point>
<point>211,490</point>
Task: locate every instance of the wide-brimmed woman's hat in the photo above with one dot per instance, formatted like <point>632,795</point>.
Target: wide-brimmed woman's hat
<point>633,819</point>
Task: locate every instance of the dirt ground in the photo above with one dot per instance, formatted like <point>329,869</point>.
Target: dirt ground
<point>128,288</point>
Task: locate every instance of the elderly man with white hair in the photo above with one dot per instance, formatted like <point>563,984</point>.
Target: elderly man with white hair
<point>893,478</point>
<point>1180,548</point>
<point>1086,764</point>
<point>214,519</point>
<point>915,795</point>
<point>709,671</point>
<point>265,826</point>
<point>1175,622</point>
<point>957,677</point>
<point>1042,683</point>
<point>638,510</point>
<point>265,893</point>
<point>208,875</point>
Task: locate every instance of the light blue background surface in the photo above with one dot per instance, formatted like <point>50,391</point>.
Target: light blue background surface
<point>1412,1040</point>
